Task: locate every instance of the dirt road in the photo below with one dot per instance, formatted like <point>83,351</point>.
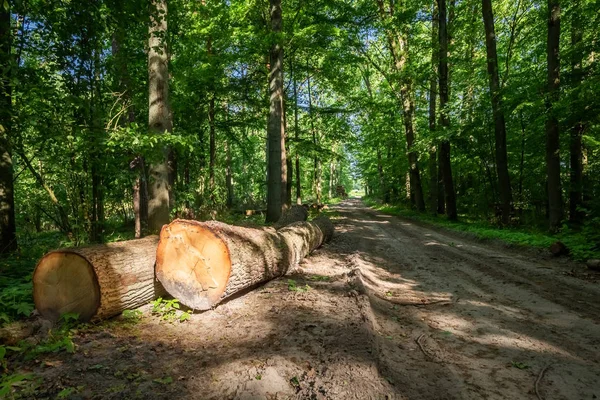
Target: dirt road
<point>389,309</point>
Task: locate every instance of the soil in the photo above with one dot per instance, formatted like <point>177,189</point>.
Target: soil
<point>389,309</point>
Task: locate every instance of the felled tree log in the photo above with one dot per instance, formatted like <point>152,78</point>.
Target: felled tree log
<point>295,213</point>
<point>97,281</point>
<point>202,263</point>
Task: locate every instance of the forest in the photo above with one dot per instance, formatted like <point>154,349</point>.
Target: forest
<point>111,108</point>
<point>119,117</point>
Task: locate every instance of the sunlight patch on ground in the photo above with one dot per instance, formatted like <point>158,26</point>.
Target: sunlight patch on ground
<point>368,221</point>
<point>434,243</point>
<point>512,340</point>
<point>484,332</point>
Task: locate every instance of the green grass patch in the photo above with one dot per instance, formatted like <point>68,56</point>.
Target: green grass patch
<point>582,244</point>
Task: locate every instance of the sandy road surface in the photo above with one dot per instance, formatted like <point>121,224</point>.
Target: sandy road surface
<point>388,309</point>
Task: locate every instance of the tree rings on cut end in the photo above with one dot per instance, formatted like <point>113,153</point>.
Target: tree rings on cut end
<point>65,282</point>
<point>193,263</point>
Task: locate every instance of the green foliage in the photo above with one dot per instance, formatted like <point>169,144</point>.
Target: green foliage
<point>169,310</point>
<point>18,385</point>
<point>293,287</point>
<point>132,315</point>
<point>519,365</point>
<point>163,381</point>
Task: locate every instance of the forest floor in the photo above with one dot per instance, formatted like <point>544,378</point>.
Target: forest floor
<point>389,309</point>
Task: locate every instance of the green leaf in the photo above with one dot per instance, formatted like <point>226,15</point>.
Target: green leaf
<point>163,381</point>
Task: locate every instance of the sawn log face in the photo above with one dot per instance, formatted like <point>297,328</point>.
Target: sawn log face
<point>202,263</point>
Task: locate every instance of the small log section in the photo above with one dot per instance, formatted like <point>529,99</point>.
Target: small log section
<point>202,263</point>
<point>97,281</point>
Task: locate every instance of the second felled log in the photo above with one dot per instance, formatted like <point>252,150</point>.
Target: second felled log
<point>96,282</point>
<point>202,263</point>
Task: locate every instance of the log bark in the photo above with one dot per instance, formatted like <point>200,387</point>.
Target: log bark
<point>202,263</point>
<point>96,282</point>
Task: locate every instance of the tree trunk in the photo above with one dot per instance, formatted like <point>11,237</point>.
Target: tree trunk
<point>297,136</point>
<point>296,213</point>
<point>276,174</point>
<point>498,111</point>
<point>331,174</point>
<point>97,281</point>
<point>290,179</point>
<point>212,153</point>
<point>577,128</point>
<point>202,263</point>
<point>445,162</point>
<point>555,206</point>
<point>228,175</point>
<point>398,46</point>
<point>8,239</point>
<point>316,161</point>
<point>432,166</point>
<point>159,114</point>
<point>318,180</point>
<point>382,184</point>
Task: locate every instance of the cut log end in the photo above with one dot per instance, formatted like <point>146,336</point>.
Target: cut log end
<point>198,262</point>
<point>65,282</point>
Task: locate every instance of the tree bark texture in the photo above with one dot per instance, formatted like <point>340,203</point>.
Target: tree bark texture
<point>202,263</point>
<point>578,127</point>
<point>8,239</point>
<point>276,163</point>
<point>96,282</point>
<point>159,114</point>
<point>297,137</point>
<point>555,206</point>
<point>433,173</point>
<point>398,46</point>
<point>444,158</point>
<point>498,111</point>
<point>229,175</point>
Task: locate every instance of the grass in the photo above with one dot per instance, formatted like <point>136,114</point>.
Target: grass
<point>583,244</point>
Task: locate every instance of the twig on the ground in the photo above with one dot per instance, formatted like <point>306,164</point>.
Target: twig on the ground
<point>537,381</point>
<point>421,346</point>
<point>412,303</point>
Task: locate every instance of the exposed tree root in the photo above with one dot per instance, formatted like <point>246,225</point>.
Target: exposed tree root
<point>422,302</point>
<point>538,380</point>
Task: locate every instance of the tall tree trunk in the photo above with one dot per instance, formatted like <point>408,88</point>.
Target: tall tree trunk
<point>8,239</point>
<point>159,115</point>
<point>331,175</point>
<point>498,111</point>
<point>316,161</point>
<point>398,45</point>
<point>577,128</point>
<point>450,194</point>
<point>228,175</point>
<point>441,198</point>
<point>297,136</point>
<point>290,179</point>
<point>212,154</point>
<point>432,166</point>
<point>277,174</point>
<point>555,206</point>
<point>289,167</point>
<point>382,185</point>
<point>319,180</point>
